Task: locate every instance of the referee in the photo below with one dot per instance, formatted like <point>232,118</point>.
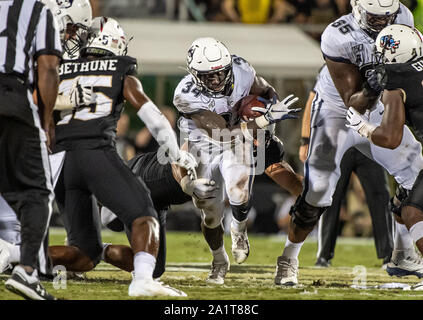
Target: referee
<point>28,35</point>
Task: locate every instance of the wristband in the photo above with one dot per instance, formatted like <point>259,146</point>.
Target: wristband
<point>366,130</point>
<point>245,131</point>
<point>186,185</point>
<point>304,141</point>
<point>262,122</point>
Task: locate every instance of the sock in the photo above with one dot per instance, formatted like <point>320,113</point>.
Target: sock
<point>402,240</point>
<point>416,231</point>
<point>105,245</point>
<point>144,264</point>
<point>220,255</point>
<point>292,250</point>
<point>239,226</point>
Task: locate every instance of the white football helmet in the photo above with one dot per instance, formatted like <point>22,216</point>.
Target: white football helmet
<point>54,8</point>
<point>210,63</point>
<point>374,15</point>
<point>76,17</point>
<point>107,39</point>
<point>399,43</point>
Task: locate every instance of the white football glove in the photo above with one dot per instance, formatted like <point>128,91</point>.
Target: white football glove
<point>80,95</point>
<point>187,161</point>
<point>359,123</point>
<point>200,189</point>
<point>277,112</point>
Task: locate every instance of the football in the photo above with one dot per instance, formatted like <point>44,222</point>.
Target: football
<point>243,107</point>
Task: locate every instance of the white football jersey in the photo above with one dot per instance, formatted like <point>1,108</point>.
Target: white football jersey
<point>344,41</point>
<point>188,99</point>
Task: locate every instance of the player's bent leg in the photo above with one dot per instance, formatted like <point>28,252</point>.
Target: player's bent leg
<point>220,264</point>
<point>407,262</point>
<point>72,258</point>
<point>240,243</point>
<point>304,218</point>
<point>120,256</point>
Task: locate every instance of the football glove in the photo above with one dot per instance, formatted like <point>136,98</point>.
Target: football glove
<point>80,95</point>
<point>359,123</point>
<point>200,189</point>
<point>376,80</point>
<point>187,161</point>
<point>277,111</point>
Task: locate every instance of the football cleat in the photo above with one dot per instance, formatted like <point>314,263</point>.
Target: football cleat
<point>27,286</point>
<point>240,246</point>
<point>405,263</point>
<point>149,287</point>
<point>322,263</point>
<point>286,271</point>
<point>4,256</point>
<point>218,272</point>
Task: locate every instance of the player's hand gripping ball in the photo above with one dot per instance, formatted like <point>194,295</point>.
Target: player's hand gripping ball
<point>243,107</point>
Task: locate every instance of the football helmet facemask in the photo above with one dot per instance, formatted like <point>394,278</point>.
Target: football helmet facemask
<point>107,38</point>
<point>76,17</point>
<point>210,63</point>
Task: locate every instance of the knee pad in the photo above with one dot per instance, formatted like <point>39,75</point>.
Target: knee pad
<point>396,202</point>
<point>304,215</point>
<point>240,212</point>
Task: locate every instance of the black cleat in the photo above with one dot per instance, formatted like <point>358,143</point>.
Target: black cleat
<point>27,286</point>
<point>323,263</point>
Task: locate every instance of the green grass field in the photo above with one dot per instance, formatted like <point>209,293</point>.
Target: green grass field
<point>188,262</point>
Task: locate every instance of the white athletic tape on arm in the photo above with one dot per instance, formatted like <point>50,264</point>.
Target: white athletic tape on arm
<point>366,130</point>
<point>246,132</point>
<point>416,231</point>
<point>63,103</point>
<point>160,128</point>
<point>262,122</point>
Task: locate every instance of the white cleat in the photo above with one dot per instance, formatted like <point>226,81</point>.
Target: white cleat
<point>240,246</point>
<point>286,271</point>
<point>218,273</point>
<point>405,263</point>
<point>4,256</point>
<point>149,287</point>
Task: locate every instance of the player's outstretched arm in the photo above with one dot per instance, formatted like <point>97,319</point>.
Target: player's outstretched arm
<point>200,189</point>
<point>156,123</point>
<point>349,83</point>
<point>389,133</point>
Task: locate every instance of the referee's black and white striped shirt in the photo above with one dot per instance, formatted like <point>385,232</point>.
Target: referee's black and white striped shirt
<point>27,30</point>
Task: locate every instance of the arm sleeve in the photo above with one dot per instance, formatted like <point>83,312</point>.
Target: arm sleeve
<point>47,40</point>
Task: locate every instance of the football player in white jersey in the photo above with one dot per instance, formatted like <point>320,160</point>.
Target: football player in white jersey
<point>206,98</point>
<point>347,46</point>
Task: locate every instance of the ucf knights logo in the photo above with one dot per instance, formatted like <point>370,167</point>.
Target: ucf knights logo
<point>388,43</point>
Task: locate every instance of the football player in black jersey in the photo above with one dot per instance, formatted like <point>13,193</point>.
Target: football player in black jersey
<point>400,54</point>
<point>93,167</point>
<point>168,185</point>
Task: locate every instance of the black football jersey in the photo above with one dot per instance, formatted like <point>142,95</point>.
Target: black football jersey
<point>164,189</point>
<point>409,77</point>
<point>93,126</point>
